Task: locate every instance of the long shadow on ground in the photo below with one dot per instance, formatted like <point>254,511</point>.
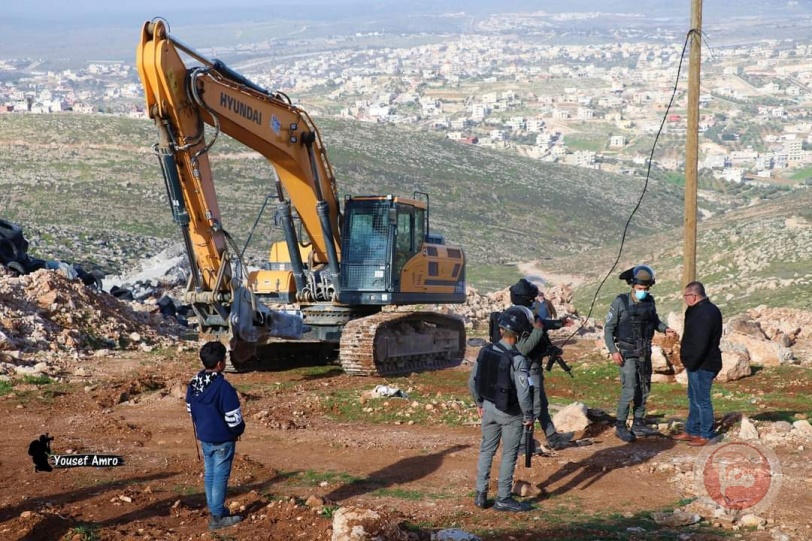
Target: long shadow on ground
<point>402,471</point>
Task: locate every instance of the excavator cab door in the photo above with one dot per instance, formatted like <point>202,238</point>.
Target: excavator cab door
<point>366,251</point>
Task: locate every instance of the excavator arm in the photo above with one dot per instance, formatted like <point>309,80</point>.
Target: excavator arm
<point>181,100</point>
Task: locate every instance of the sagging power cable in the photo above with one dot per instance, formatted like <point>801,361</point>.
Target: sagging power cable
<point>645,186</point>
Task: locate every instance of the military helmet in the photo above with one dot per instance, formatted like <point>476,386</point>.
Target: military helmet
<point>643,275</point>
<point>523,292</point>
<point>517,319</point>
<point>640,274</point>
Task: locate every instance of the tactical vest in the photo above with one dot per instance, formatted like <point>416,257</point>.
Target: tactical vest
<point>537,353</point>
<point>494,378</point>
<point>637,323</point>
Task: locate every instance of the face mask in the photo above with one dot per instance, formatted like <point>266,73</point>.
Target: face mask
<point>640,294</point>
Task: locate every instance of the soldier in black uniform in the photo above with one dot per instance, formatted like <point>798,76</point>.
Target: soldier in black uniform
<point>630,326</point>
<point>500,387</point>
<point>535,347</point>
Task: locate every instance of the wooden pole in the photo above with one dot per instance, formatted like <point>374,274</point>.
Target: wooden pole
<point>692,146</point>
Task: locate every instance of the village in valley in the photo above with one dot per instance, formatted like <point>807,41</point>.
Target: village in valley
<point>515,82</point>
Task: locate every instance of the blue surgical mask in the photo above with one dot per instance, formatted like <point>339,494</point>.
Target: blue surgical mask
<point>640,294</point>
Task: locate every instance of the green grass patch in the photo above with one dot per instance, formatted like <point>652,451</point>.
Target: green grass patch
<point>83,532</point>
<point>186,490</point>
<point>802,174</point>
<point>774,393</point>
<point>411,495</point>
<point>571,523</point>
<point>313,478</point>
<point>436,398</point>
<point>6,387</point>
<point>488,278</point>
<point>594,144</point>
<point>37,380</point>
<point>329,510</point>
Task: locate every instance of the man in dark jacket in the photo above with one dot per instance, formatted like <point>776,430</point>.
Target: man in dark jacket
<point>702,358</point>
<point>215,409</point>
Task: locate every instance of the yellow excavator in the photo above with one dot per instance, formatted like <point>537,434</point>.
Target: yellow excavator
<point>338,269</point>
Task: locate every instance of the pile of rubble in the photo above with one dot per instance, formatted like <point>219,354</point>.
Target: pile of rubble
<point>689,473</point>
<point>476,310</point>
<point>47,320</point>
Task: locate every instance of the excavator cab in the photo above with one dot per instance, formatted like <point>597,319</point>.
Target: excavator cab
<point>388,257</point>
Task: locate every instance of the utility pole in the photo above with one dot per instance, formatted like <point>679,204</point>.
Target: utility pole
<point>692,146</point>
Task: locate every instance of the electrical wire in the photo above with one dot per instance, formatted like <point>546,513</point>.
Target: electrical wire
<point>645,187</point>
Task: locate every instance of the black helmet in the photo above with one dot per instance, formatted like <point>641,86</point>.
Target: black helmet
<point>639,275</point>
<point>523,293</point>
<point>517,319</point>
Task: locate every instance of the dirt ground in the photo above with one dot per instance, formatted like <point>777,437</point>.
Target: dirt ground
<point>296,465</point>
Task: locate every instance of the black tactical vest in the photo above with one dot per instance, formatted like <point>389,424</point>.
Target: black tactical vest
<point>637,323</point>
<point>494,378</point>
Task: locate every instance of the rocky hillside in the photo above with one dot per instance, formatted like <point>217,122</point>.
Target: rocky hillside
<point>90,187</point>
<point>759,255</point>
<point>87,189</point>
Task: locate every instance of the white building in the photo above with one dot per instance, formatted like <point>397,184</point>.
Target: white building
<point>585,113</point>
<point>617,141</point>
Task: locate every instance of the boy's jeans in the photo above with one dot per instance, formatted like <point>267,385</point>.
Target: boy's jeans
<point>217,459</point>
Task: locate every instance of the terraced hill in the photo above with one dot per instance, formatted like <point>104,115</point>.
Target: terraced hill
<point>88,189</point>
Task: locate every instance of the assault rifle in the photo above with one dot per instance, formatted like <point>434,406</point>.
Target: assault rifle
<point>555,357</point>
<point>528,445</point>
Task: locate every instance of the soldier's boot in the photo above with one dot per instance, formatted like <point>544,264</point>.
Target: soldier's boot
<point>640,429</point>
<point>511,505</point>
<point>560,440</point>
<point>622,432</point>
<point>481,499</point>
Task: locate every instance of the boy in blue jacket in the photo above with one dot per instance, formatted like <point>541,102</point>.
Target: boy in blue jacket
<point>215,409</point>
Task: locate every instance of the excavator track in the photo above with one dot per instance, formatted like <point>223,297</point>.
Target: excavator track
<point>397,343</point>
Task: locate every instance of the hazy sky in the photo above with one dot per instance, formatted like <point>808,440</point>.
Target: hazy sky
<point>85,29</point>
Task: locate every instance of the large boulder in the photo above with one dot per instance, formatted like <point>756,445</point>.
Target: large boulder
<point>746,326</point>
<point>735,365</point>
<point>659,363</point>
<point>761,350</point>
<point>357,524</point>
<point>676,320</point>
<point>572,418</point>
<point>748,430</point>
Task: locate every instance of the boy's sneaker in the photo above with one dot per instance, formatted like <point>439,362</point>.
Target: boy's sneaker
<point>216,523</point>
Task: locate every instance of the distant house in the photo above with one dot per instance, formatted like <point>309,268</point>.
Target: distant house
<point>585,113</point>
<point>561,114</point>
<point>617,141</point>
